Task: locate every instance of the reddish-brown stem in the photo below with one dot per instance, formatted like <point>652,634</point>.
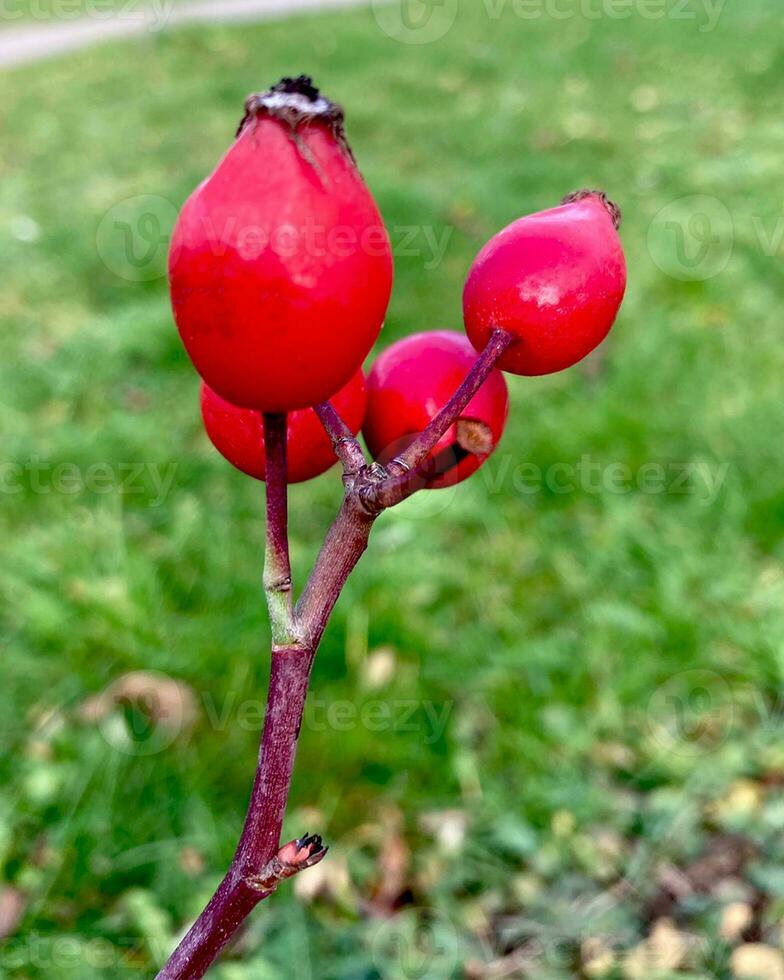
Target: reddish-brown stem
<point>345,544</point>
<point>260,863</point>
<point>244,885</point>
<point>344,442</point>
<point>277,566</point>
<point>288,690</point>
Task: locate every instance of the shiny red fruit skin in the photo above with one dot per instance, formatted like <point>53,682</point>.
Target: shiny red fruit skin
<point>555,280</point>
<point>280,268</point>
<point>238,433</point>
<point>411,382</point>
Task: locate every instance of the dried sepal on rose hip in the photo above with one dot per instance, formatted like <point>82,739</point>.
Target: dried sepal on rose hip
<point>555,280</point>
<point>238,433</point>
<point>410,383</point>
<point>280,266</point>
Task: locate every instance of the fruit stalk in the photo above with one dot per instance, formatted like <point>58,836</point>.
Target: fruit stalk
<point>346,542</point>
<point>344,443</point>
<point>277,566</point>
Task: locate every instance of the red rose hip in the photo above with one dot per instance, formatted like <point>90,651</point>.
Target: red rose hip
<point>238,433</point>
<point>410,383</point>
<point>280,268</point>
<point>555,280</point>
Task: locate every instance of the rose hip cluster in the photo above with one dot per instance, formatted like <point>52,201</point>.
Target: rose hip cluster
<point>283,330</point>
<point>281,275</point>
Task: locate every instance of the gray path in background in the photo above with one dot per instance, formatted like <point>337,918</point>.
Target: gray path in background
<point>35,42</point>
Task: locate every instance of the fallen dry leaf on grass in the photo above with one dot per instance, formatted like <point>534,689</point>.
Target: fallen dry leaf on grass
<point>12,906</point>
<point>736,918</point>
<point>664,950</point>
<point>757,962</point>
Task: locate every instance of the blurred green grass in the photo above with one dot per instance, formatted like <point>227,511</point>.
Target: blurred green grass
<point>588,681</point>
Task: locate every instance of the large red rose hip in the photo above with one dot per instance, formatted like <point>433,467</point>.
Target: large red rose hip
<point>555,280</point>
<point>410,383</point>
<point>280,267</point>
<point>238,433</point>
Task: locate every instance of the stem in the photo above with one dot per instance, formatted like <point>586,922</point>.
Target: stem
<point>248,879</point>
<point>345,544</point>
<point>251,877</point>
<point>288,690</point>
<point>259,863</point>
<point>277,566</point>
<point>344,442</point>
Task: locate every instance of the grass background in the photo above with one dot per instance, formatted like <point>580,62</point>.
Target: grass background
<point>583,688</point>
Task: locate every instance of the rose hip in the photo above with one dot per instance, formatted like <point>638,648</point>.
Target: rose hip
<point>280,267</point>
<point>238,433</point>
<point>408,385</point>
<point>555,280</point>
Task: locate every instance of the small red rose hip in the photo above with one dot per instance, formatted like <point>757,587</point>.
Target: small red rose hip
<point>555,280</point>
<point>410,383</point>
<point>238,433</point>
<point>280,267</point>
